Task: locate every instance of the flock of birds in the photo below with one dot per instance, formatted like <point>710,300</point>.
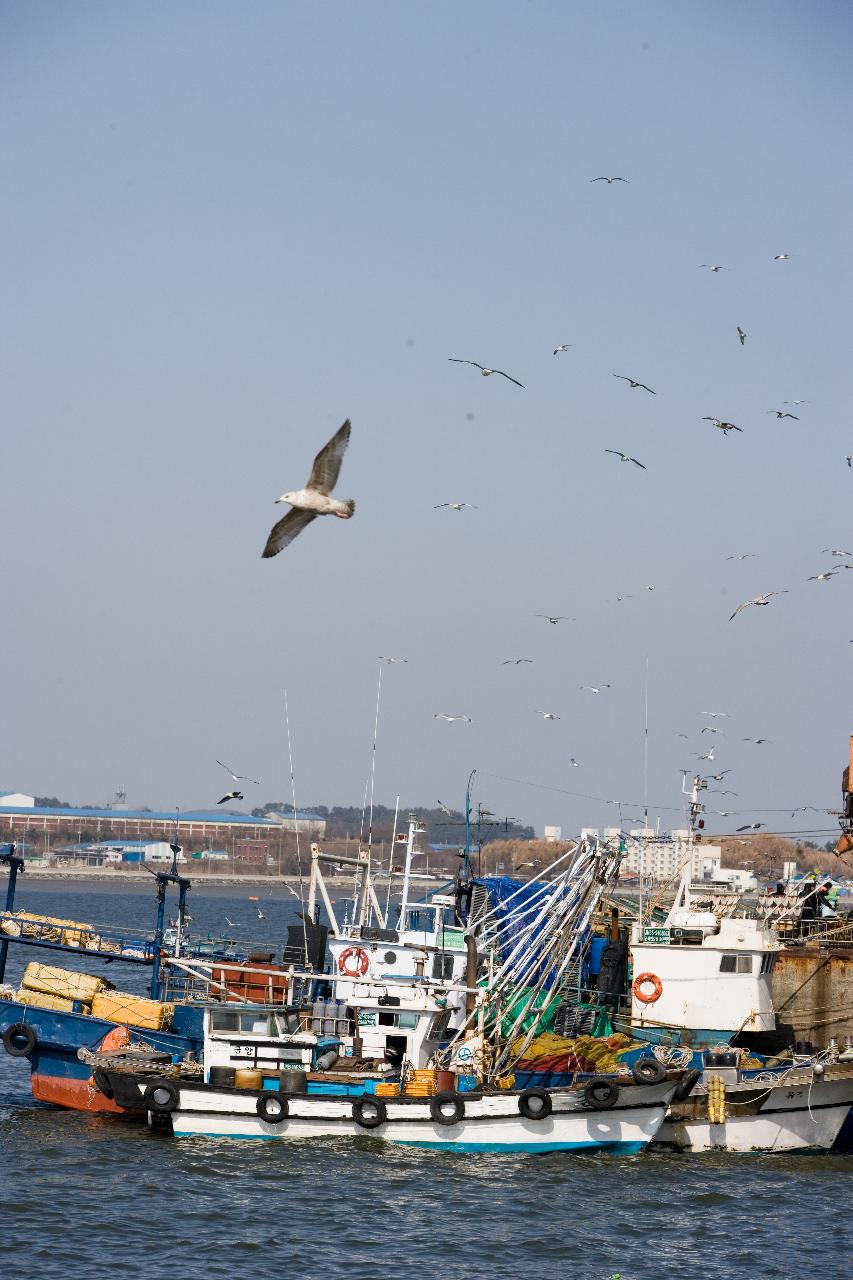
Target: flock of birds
<point>315,499</point>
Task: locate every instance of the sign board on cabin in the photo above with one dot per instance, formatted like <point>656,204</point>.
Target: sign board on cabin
<point>656,935</point>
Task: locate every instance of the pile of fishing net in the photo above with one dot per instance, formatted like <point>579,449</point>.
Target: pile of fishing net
<point>550,1053</point>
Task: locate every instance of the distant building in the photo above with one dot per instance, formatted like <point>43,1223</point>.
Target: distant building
<point>661,857</point>
<point>313,824</point>
<point>16,799</point>
<point>553,834</point>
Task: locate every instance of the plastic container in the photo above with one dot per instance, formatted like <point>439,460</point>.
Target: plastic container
<point>445,1081</point>
<point>293,1081</point>
<point>271,1083</point>
<point>596,946</point>
<point>318,1011</point>
<point>222,1076</point>
<point>466,1084</point>
<point>248,1078</point>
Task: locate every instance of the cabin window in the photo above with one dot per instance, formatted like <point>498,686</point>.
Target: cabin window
<point>735,964</point>
<point>768,962</point>
<point>224,1020</point>
<point>442,965</point>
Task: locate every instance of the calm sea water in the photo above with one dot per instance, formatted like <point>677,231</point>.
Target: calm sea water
<point>85,1196</point>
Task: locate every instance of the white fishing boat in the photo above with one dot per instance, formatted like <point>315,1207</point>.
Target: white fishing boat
<point>802,1108</point>
<point>604,1115</point>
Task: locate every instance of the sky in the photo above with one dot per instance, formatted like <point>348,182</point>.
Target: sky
<point>228,228</point>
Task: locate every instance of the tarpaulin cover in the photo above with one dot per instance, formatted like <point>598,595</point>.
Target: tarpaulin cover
<point>517,904</point>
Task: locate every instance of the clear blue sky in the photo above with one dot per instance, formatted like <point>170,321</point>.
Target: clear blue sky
<point>226,228</point>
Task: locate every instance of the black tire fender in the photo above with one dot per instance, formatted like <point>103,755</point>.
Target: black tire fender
<point>439,1103</point>
<point>600,1093</point>
<point>687,1085</point>
<point>272,1107</point>
<point>369,1112</point>
<point>161,1097</point>
<point>19,1040</point>
<point>101,1081</point>
<point>535,1104</point>
<point>648,1071</point>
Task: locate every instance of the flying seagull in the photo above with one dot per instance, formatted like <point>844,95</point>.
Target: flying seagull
<point>744,555</point>
<point>553,618</point>
<point>709,755</point>
<point>848,458</point>
<point>514,662</point>
<point>624,457</point>
<point>781,413</point>
<point>751,826</point>
<point>822,577</point>
<point>445,808</point>
<point>718,777</point>
<point>548,715</point>
<point>765,599</point>
<point>454,506</point>
<point>741,333</point>
<point>564,346</point>
<point>710,728</point>
<point>712,266</point>
<point>595,688</point>
<point>573,763</point>
<point>834,551</point>
<point>485,370</point>
<point>757,741</point>
<point>387,661</point>
<point>608,180</point>
<point>232,795</point>
<point>725,427</point>
<point>238,777</point>
<point>261,915</point>
<point>634,384</point>
<point>783,257</point>
<point>712,715</point>
<point>679,734</point>
<point>443,715</point>
<point>232,923</point>
<point>315,499</point>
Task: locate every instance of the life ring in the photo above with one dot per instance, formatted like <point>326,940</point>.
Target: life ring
<point>535,1104</point>
<point>19,1040</point>
<point>641,981</point>
<point>439,1104</point>
<point>161,1097</point>
<point>369,1112</point>
<point>272,1107</point>
<point>648,1071</point>
<point>600,1093</point>
<point>359,968</point>
<point>118,1038</point>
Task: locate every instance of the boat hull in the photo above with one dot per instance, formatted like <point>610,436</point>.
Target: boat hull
<point>790,1116</point>
<point>58,1076</point>
<point>491,1122</point>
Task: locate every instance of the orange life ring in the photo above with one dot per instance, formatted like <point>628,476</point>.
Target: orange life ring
<point>361,962</point>
<point>641,980</point>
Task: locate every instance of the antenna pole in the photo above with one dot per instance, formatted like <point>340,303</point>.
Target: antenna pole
<point>296,829</point>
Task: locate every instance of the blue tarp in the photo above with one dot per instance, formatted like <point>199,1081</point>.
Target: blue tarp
<point>516,904</point>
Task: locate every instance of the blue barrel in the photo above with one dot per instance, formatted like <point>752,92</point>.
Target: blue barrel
<point>596,947</point>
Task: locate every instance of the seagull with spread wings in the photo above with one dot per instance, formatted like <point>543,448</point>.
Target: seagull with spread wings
<point>744,555</point>
<point>564,346</point>
<point>232,795</point>
<point>783,257</point>
<point>443,715</point>
<point>388,661</point>
<point>626,457</point>
<point>315,499</point>
<point>751,826</point>
<point>237,777</point>
<point>595,688</point>
<point>725,427</point>
<point>782,413</point>
<point>485,370</point>
<point>608,180</point>
<point>548,715</point>
<point>712,266</point>
<point>514,662</point>
<point>454,506</point>
<point>822,577</point>
<point>742,334</point>
<point>633,383</point>
<point>553,618</point>
<point>758,600</point>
